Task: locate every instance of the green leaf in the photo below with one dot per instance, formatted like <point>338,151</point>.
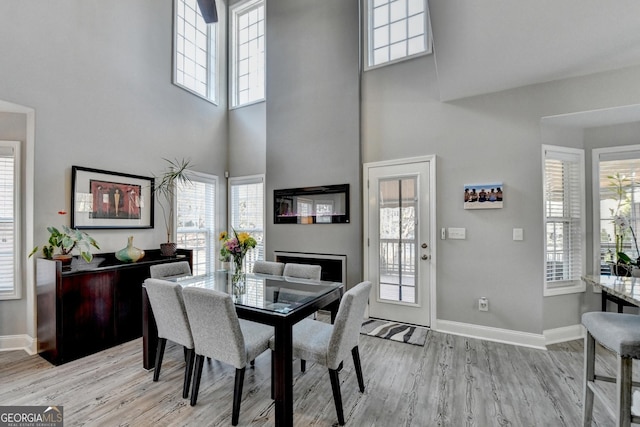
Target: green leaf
<point>624,258</point>
<point>33,251</point>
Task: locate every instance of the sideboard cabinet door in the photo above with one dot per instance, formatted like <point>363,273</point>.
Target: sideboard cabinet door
<point>87,311</point>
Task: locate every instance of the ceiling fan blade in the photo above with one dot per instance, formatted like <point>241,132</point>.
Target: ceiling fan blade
<point>208,10</point>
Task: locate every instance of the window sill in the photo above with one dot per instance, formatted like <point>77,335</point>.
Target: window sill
<point>248,104</point>
<point>565,290</point>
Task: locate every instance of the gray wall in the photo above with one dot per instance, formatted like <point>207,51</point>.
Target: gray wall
<point>495,137</point>
<point>247,140</point>
<point>98,75</point>
<point>312,114</point>
<point>13,127</point>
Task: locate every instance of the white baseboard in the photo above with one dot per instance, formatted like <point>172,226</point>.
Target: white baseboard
<point>566,333</point>
<point>507,336</point>
<point>18,342</point>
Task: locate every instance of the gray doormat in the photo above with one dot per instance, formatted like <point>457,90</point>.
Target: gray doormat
<point>401,332</point>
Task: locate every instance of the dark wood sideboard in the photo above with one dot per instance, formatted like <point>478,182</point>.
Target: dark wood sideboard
<point>87,307</point>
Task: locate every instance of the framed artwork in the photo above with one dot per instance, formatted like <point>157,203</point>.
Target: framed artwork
<point>483,196</point>
<point>103,199</point>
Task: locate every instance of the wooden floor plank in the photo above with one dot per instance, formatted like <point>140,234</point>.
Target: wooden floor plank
<point>451,381</point>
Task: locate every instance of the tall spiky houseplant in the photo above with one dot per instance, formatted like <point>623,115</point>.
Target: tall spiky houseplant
<point>165,188</point>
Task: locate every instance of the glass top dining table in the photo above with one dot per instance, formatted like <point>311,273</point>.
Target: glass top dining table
<point>272,300</point>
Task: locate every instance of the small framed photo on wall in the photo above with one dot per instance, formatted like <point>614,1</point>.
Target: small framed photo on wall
<point>484,196</point>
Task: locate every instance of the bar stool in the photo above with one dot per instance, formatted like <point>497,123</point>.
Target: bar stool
<point>619,333</point>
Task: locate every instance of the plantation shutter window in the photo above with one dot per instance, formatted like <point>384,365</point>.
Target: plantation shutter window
<point>564,219</point>
<point>246,212</point>
<point>196,222</point>
<point>9,216</point>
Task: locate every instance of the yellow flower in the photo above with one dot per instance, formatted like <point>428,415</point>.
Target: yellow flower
<point>223,235</point>
<point>242,237</point>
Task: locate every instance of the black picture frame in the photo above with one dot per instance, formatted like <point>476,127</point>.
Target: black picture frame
<point>103,199</point>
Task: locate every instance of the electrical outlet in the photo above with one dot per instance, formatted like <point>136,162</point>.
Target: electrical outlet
<point>483,304</point>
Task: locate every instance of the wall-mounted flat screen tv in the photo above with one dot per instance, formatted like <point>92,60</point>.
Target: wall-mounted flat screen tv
<point>325,204</point>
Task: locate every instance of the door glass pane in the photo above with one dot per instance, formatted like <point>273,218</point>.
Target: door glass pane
<point>397,212</point>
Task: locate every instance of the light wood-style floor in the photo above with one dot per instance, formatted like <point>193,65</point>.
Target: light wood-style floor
<point>451,381</point>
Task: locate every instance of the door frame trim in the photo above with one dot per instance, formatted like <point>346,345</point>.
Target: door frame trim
<point>431,159</point>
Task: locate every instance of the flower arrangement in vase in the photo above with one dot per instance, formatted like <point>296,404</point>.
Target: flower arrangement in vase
<point>235,247</point>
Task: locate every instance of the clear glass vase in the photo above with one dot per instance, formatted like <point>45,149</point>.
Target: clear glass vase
<point>238,277</point>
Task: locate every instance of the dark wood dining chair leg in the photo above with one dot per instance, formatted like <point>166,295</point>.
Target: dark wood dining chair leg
<point>273,375</point>
<point>237,396</point>
<point>337,397</point>
<point>197,374</point>
<point>303,365</point>
<point>162,342</point>
<point>188,370</point>
<point>356,363</point>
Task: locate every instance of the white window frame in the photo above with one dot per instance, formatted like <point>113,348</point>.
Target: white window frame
<point>575,285</point>
<point>249,179</point>
<point>623,152</point>
<point>236,11</point>
<point>16,291</point>
<point>367,38</point>
<point>212,54</point>
<point>212,251</point>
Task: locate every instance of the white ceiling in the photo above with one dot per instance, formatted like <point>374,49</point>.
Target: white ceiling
<point>492,45</point>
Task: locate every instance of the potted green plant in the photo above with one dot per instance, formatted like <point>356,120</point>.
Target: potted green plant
<point>66,241</point>
<point>623,264</point>
<point>174,175</point>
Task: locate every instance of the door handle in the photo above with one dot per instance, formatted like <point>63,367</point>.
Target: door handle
<point>425,257</point>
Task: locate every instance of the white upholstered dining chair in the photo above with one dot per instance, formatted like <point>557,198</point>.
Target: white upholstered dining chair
<point>303,271</point>
<point>329,345</point>
<point>219,334</point>
<point>170,270</point>
<point>268,267</point>
<point>171,318</point>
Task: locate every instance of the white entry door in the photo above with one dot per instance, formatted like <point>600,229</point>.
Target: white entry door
<point>398,251</point>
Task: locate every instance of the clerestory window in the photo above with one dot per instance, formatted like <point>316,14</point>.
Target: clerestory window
<point>395,30</point>
<point>195,51</point>
<point>247,53</point>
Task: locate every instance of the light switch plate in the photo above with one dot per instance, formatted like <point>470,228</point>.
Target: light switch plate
<point>518,234</point>
<point>457,233</point>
